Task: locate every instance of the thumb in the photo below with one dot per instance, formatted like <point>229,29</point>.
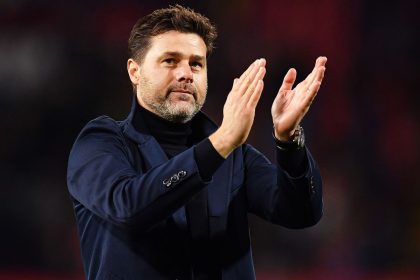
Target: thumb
<point>289,80</point>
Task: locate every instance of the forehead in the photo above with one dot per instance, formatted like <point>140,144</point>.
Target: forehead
<point>174,41</point>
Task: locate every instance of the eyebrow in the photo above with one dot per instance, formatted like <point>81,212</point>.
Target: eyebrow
<point>179,54</point>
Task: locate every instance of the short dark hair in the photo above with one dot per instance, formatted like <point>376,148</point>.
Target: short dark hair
<point>176,18</point>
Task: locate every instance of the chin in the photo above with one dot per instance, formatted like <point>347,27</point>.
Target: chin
<point>182,113</point>
<point>182,106</point>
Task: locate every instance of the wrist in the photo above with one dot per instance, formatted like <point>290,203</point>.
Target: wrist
<point>296,141</point>
<point>285,137</point>
<point>221,143</point>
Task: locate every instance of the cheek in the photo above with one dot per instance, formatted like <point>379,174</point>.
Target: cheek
<point>161,78</point>
<point>160,84</point>
<point>201,84</point>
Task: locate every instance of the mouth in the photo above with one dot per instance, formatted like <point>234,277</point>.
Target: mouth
<point>183,92</point>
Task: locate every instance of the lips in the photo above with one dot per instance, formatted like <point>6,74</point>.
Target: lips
<point>185,88</point>
<point>182,90</point>
<point>183,95</point>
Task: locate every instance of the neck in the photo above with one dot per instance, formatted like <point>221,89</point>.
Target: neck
<point>163,130</point>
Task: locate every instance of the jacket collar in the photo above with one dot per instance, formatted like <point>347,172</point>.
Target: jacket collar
<point>201,122</point>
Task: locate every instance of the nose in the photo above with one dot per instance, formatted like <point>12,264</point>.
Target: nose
<point>183,73</point>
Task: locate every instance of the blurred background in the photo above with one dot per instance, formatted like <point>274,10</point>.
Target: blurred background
<point>63,63</point>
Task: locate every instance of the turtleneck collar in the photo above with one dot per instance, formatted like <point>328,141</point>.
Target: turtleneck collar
<point>165,132</point>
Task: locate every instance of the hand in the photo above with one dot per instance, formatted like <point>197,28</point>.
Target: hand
<point>239,109</point>
<point>290,106</point>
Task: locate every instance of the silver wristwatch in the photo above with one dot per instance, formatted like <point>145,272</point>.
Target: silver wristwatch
<point>298,141</point>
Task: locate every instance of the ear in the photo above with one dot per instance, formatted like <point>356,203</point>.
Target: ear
<point>133,71</point>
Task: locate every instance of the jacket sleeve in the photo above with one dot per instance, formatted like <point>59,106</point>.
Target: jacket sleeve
<point>276,196</point>
<point>101,178</point>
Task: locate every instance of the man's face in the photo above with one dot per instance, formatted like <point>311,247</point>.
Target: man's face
<point>173,76</point>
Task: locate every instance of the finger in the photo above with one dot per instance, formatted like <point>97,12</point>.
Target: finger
<point>304,89</point>
<point>315,86</point>
<point>262,62</point>
<point>320,74</point>
<point>312,92</point>
<point>235,82</point>
<point>255,97</point>
<point>318,77</point>
<point>320,62</point>
<point>289,80</point>
<point>245,84</point>
<point>255,64</point>
<point>248,70</point>
<point>251,89</point>
<point>238,83</point>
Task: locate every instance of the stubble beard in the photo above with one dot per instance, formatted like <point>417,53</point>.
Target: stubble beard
<point>163,106</point>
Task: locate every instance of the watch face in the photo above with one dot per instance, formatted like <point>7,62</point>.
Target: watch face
<point>297,142</point>
<point>299,138</point>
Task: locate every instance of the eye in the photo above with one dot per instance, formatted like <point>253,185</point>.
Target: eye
<point>196,65</point>
<point>169,61</point>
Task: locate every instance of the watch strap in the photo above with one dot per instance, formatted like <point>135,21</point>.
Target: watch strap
<point>298,141</point>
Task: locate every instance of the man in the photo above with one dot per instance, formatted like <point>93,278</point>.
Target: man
<point>165,193</point>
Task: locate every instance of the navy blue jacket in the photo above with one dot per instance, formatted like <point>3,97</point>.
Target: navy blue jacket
<point>129,203</point>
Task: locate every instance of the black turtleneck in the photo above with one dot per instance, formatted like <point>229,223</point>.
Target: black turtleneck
<point>172,137</point>
<point>175,138</point>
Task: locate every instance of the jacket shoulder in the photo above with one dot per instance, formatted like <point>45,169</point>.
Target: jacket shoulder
<point>101,127</point>
<point>103,122</point>
<point>98,134</point>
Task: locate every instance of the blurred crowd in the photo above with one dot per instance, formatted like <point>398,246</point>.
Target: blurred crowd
<point>63,63</point>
